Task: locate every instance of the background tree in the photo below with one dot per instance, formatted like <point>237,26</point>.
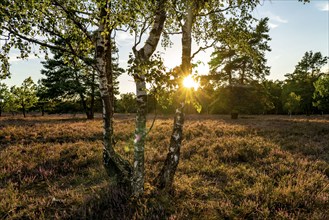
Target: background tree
<point>321,93</point>
<point>77,80</point>
<point>26,95</point>
<point>4,93</point>
<point>292,105</point>
<point>127,103</point>
<point>274,91</point>
<point>45,102</point>
<point>240,61</point>
<point>302,80</point>
<point>240,58</point>
<point>66,82</point>
<point>10,103</point>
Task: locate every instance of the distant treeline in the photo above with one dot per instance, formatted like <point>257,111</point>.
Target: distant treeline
<point>75,90</point>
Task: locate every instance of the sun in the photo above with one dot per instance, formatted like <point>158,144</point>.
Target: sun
<point>189,82</point>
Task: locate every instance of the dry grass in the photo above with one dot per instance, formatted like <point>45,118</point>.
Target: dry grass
<point>262,167</point>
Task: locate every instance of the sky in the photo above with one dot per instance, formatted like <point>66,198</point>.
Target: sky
<point>295,28</point>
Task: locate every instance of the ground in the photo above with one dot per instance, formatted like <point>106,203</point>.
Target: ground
<point>256,167</point>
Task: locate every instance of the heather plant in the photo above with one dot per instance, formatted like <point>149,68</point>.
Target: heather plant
<point>264,167</point>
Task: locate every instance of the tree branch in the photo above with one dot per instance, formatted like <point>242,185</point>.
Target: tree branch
<point>71,50</point>
<point>70,15</point>
<point>217,11</point>
<point>203,48</point>
<point>155,32</point>
<point>145,26</point>
<point>35,41</point>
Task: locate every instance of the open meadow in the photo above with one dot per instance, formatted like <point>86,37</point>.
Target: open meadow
<point>256,167</point>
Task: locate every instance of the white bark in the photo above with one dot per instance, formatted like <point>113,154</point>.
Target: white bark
<point>165,178</point>
<point>142,56</point>
<point>118,169</point>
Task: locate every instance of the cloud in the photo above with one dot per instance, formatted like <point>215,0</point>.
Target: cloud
<point>323,6</point>
<point>272,26</point>
<point>124,37</point>
<point>274,17</point>
<point>275,20</point>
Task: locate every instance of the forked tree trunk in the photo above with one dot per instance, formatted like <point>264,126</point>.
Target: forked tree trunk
<point>165,179</point>
<point>118,169</point>
<point>142,56</point>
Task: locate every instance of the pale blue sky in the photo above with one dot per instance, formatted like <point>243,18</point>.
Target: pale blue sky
<point>295,29</point>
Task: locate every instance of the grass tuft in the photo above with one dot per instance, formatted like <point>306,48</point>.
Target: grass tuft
<point>261,167</point>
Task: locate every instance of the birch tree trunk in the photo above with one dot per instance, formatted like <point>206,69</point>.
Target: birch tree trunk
<point>118,169</point>
<point>165,179</point>
<point>142,56</point>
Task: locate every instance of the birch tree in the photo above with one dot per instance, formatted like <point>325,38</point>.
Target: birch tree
<point>199,21</point>
<point>82,26</point>
<point>139,64</point>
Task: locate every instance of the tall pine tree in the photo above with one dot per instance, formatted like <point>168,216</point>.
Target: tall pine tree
<point>69,79</point>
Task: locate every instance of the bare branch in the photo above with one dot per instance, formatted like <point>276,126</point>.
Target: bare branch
<point>202,49</point>
<point>145,26</point>
<point>214,11</point>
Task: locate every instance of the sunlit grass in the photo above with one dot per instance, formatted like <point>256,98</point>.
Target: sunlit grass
<point>254,168</point>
